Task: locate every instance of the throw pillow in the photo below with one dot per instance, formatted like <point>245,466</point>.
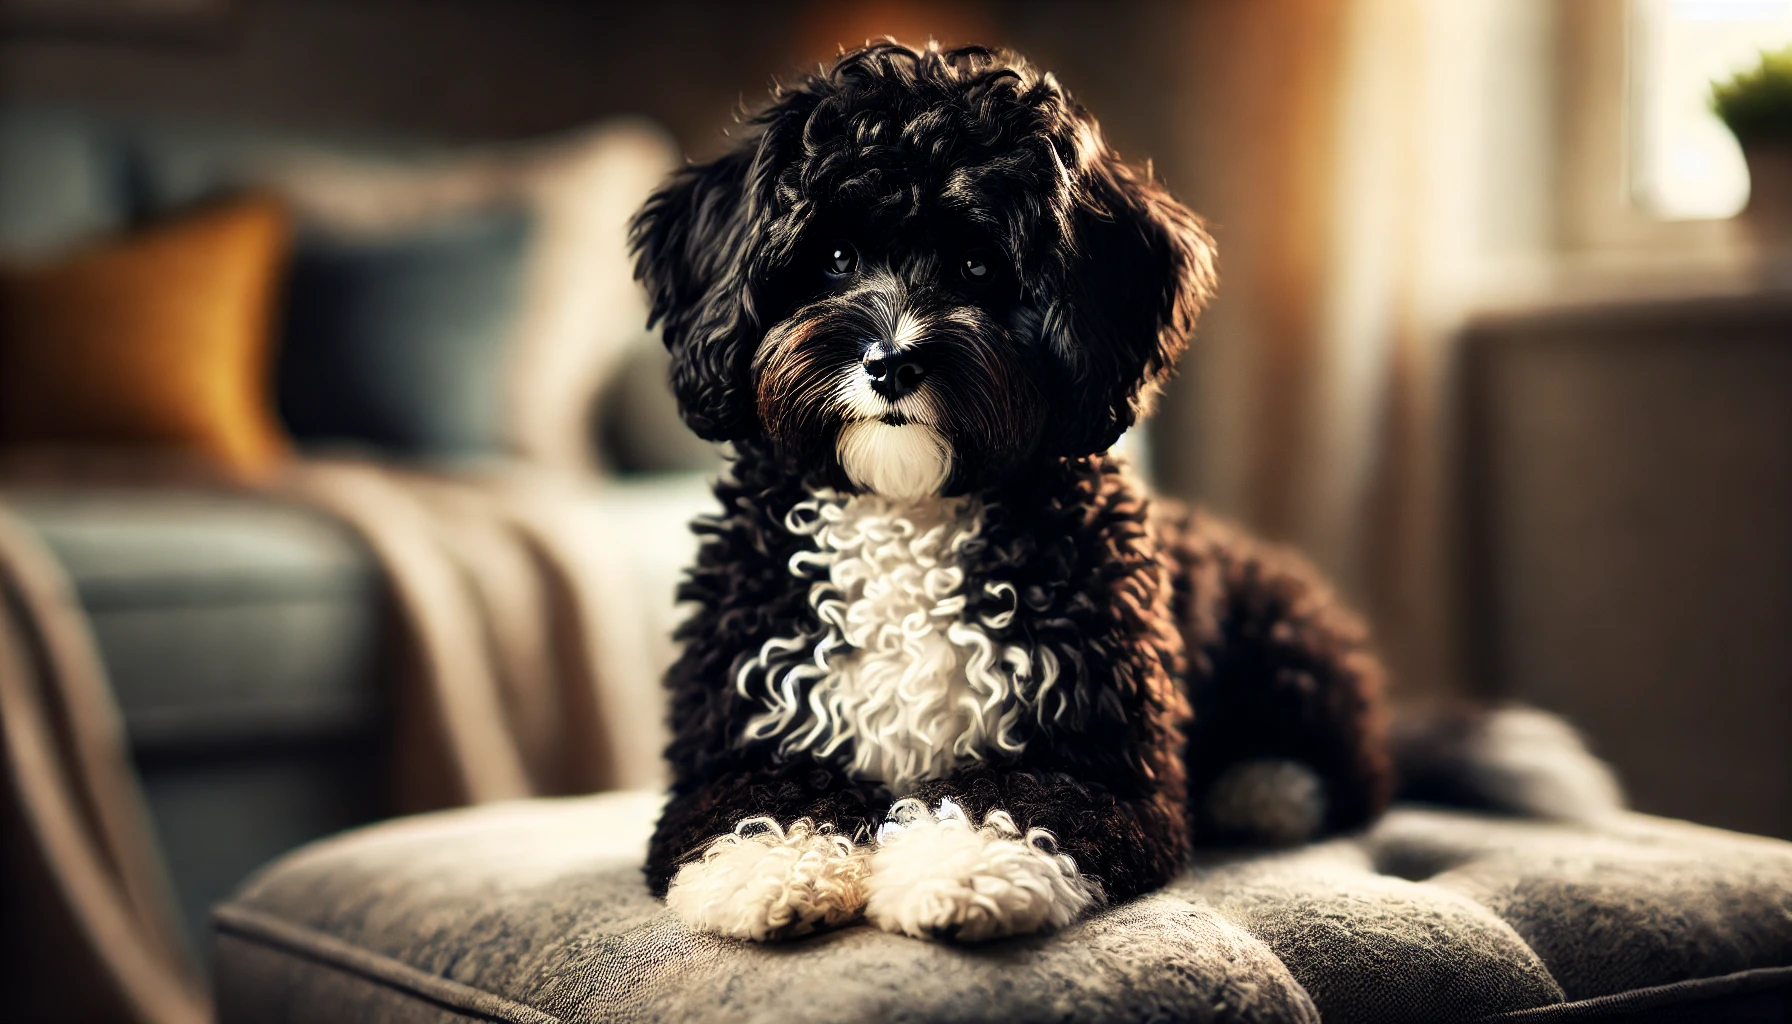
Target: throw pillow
<point>160,339</point>
<point>395,340</point>
<point>578,310</point>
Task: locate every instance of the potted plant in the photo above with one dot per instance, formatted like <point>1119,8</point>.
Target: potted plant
<point>1756,104</point>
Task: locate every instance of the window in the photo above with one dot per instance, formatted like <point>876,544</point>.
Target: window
<point>1684,164</point>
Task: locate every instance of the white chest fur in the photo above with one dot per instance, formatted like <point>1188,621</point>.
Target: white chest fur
<point>898,684</point>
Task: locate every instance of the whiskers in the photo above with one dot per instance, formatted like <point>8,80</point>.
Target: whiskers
<point>855,399</point>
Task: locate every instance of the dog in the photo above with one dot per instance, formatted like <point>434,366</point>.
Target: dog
<point>950,668</point>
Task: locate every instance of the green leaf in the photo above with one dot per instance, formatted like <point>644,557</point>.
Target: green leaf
<point>1757,104</point>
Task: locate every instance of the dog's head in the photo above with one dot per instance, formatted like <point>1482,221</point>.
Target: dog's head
<point>920,272</point>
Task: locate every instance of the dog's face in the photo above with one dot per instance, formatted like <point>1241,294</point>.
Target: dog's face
<point>922,273</point>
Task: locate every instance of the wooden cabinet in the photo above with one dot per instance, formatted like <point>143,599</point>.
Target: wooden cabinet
<point>1628,528</point>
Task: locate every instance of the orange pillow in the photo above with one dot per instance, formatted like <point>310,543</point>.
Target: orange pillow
<point>161,339</point>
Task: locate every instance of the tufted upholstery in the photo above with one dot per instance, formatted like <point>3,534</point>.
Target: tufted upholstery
<point>536,911</point>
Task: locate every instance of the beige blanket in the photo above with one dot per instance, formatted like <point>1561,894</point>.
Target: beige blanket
<point>512,616</point>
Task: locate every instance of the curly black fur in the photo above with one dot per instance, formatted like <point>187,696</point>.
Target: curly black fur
<point>1184,647</point>
<point>919,159</point>
<point>1279,668</point>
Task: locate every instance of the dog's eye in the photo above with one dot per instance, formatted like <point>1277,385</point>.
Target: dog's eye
<point>842,259</point>
<point>977,268</point>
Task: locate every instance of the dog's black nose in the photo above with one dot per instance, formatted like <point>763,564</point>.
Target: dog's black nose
<point>893,374</point>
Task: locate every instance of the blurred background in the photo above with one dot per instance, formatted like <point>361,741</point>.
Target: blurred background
<point>1502,342</point>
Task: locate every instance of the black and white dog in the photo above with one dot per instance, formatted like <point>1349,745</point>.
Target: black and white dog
<point>951,669</point>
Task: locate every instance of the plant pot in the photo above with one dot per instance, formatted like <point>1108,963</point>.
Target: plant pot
<point>1768,216</point>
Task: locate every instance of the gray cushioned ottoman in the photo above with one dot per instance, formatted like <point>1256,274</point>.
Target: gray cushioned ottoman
<point>536,911</point>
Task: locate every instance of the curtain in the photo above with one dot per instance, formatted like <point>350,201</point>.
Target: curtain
<point>1375,171</point>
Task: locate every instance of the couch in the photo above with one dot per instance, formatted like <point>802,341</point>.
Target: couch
<point>248,640</point>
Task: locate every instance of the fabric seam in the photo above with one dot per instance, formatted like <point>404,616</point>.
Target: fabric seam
<point>1678,993</point>
<point>334,953</point>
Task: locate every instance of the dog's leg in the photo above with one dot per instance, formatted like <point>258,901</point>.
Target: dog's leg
<point>766,855</point>
<point>985,853</point>
<point>1288,737</point>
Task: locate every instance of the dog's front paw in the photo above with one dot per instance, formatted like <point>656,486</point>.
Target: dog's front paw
<point>765,882</point>
<point>935,875</point>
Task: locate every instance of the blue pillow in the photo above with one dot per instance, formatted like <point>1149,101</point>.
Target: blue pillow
<point>398,342</point>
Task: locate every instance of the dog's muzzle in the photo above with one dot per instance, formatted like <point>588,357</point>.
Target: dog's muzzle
<point>890,444</point>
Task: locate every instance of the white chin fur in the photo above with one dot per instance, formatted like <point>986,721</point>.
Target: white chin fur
<point>937,876</point>
<point>764,882</point>
<point>906,462</point>
<point>1276,802</point>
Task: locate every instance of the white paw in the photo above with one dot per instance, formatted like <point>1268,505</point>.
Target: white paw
<point>765,882</point>
<point>1273,801</point>
<point>938,876</point>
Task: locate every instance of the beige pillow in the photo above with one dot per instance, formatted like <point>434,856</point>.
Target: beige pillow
<point>580,313</point>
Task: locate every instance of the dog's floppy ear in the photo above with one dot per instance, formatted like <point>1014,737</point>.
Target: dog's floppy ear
<point>690,243</point>
<point>1141,270</point>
